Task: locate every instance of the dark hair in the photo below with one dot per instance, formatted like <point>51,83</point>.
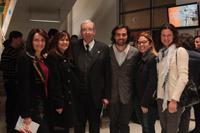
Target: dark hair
<point>29,41</point>
<point>120,27</point>
<point>52,32</point>
<point>173,29</point>
<point>74,37</point>
<point>15,34</point>
<point>56,39</point>
<point>186,41</point>
<point>198,36</point>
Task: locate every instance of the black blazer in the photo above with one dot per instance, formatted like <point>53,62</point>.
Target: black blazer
<point>31,87</point>
<point>99,80</point>
<point>146,79</point>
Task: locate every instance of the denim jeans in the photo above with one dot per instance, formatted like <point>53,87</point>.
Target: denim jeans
<point>147,120</point>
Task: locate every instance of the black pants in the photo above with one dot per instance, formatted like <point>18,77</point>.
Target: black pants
<point>120,115</point>
<point>185,121</point>
<point>11,103</point>
<point>86,110</point>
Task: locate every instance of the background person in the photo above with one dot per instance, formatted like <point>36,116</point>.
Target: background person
<point>12,49</point>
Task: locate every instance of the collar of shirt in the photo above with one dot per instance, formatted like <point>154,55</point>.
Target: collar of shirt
<point>125,51</point>
<point>91,44</point>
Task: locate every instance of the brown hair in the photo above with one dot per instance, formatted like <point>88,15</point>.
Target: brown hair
<point>149,38</point>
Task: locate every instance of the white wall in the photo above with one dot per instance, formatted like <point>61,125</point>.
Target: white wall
<point>104,13</point>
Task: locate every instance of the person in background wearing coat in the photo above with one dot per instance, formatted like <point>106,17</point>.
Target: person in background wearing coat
<point>62,82</point>
<point>123,61</point>
<point>91,59</point>
<point>186,41</point>
<point>172,69</point>
<point>12,49</point>
<point>32,75</point>
<point>146,83</point>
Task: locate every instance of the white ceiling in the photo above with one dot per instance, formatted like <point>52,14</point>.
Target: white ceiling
<point>39,9</point>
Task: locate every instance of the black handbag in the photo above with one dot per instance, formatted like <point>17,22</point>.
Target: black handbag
<point>189,96</point>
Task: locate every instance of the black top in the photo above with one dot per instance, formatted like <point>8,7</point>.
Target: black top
<point>146,78</point>
<point>9,59</point>
<point>62,80</point>
<point>194,65</point>
<point>32,94</point>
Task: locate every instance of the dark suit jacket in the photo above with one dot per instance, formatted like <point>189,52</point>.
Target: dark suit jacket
<point>98,75</point>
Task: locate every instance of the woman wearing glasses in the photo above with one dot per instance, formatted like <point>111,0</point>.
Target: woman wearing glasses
<point>146,81</point>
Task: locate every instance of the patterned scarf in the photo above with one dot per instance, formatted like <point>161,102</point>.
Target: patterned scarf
<point>165,56</point>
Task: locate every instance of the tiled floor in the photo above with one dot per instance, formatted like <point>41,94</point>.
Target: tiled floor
<point>134,128</point>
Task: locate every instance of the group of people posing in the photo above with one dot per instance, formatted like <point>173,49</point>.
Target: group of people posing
<point>68,84</point>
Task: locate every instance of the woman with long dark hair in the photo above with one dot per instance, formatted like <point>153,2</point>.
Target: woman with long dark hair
<point>32,74</point>
<point>172,69</point>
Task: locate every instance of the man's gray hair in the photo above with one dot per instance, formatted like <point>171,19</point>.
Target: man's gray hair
<point>88,21</point>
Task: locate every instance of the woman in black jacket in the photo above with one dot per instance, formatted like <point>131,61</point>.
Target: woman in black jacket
<point>146,82</point>
<point>62,82</point>
<point>32,74</point>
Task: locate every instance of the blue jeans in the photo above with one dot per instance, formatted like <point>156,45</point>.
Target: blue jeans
<point>147,120</point>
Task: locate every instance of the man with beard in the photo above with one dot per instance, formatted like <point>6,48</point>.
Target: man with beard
<point>123,61</point>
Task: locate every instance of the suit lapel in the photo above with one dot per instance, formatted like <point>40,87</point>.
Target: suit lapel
<point>95,53</point>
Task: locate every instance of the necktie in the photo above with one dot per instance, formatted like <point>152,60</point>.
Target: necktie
<point>87,48</point>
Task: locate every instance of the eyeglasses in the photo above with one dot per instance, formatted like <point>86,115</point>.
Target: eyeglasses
<point>87,30</point>
<point>142,42</point>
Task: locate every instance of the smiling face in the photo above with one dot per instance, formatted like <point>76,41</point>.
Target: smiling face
<point>88,31</point>
<point>167,37</point>
<point>121,36</point>
<point>38,43</point>
<point>63,44</point>
<point>143,44</point>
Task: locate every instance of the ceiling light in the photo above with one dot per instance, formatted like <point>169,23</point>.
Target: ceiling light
<point>44,21</point>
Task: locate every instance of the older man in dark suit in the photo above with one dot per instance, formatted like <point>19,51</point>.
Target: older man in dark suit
<point>123,60</point>
<point>92,62</point>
